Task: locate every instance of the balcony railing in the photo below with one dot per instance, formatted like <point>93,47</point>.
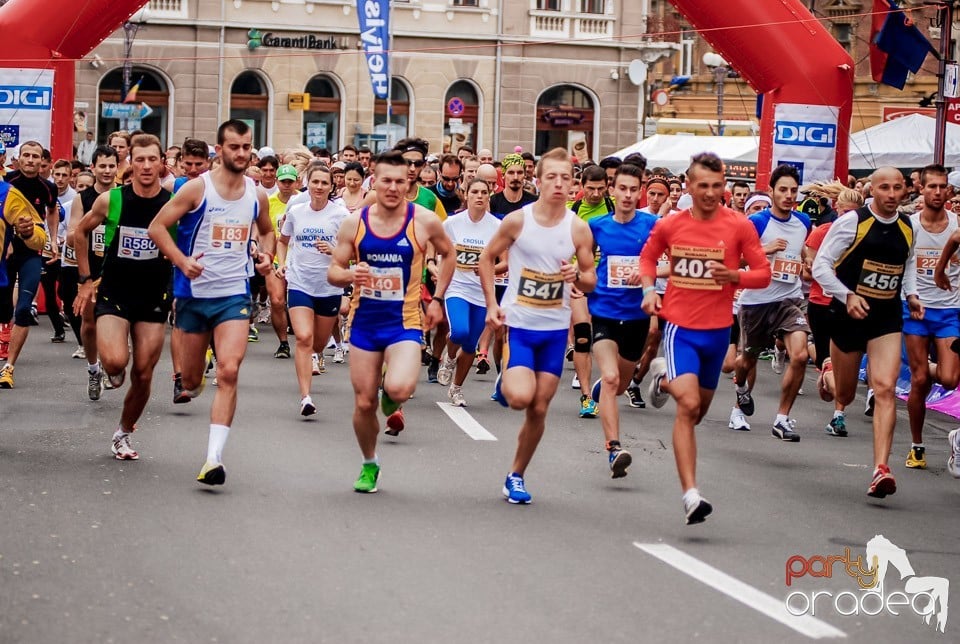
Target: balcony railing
<point>168,8</point>
<point>559,25</point>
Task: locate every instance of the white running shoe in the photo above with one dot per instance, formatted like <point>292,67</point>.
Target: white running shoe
<point>953,462</point>
<point>445,372</point>
<point>315,364</point>
<point>658,372</point>
<point>575,383</point>
<point>779,359</point>
<point>338,355</point>
<point>738,421</point>
<point>122,450</point>
<point>79,354</point>
<point>455,394</point>
<point>307,408</point>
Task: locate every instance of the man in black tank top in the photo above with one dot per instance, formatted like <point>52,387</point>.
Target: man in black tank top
<point>864,263</point>
<point>131,300</point>
<point>105,161</point>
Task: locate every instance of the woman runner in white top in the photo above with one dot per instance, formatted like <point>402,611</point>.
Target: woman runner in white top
<point>470,231</point>
<point>307,239</point>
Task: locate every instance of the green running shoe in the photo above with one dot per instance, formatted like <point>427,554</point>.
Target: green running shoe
<point>367,483</point>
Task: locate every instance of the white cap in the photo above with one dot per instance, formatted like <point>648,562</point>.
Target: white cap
<point>266,151</point>
<point>954,179</point>
<point>684,202</point>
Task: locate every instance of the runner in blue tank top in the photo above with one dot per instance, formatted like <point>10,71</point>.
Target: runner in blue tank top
<point>387,241</point>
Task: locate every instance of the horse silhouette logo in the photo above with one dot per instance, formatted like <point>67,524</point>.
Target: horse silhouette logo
<point>883,553</point>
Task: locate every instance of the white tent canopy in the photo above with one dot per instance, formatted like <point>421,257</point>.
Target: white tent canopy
<point>906,142</point>
<point>673,151</point>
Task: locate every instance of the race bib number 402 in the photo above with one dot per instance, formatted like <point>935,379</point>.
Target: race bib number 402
<point>386,284</point>
<point>879,281</point>
<point>540,290</point>
<point>688,267</point>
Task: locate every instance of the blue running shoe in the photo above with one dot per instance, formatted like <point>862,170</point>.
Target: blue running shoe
<point>588,408</point>
<point>515,491</point>
<point>500,398</point>
<point>595,391</point>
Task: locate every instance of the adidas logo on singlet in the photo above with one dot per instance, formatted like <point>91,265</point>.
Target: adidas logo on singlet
<point>403,243</point>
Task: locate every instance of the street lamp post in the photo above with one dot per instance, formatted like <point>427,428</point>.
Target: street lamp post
<point>720,69</point>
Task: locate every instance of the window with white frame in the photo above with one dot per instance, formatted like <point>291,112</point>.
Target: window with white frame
<point>592,6</point>
<point>687,41</point>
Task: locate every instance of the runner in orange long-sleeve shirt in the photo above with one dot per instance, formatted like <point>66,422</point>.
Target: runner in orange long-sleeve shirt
<point>705,245</point>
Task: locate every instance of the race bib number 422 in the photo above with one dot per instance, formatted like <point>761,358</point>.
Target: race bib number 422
<point>879,281</point>
<point>467,257</point>
<point>540,290</point>
<point>688,267</point>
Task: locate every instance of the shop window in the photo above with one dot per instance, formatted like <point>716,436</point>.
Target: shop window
<point>461,122</point>
<point>565,118</point>
<point>399,122</point>
<point>250,103</point>
<point>321,122</point>
<point>153,91</point>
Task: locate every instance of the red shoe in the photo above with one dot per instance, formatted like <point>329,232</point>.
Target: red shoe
<point>883,483</point>
<point>395,423</point>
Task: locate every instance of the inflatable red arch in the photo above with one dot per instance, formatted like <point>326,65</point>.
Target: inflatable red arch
<point>805,77</point>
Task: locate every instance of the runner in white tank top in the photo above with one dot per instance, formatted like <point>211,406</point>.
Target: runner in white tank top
<point>213,216</point>
<point>541,238</point>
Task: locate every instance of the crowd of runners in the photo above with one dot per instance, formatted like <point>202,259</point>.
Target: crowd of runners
<point>459,263</point>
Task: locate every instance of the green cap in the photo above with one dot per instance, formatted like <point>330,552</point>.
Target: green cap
<point>286,172</point>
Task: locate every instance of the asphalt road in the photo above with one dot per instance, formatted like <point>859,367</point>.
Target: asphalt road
<point>97,550</point>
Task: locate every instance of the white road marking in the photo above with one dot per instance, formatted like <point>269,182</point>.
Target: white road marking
<point>466,422</point>
<point>748,595</point>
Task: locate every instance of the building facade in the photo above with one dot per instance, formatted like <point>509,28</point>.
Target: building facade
<point>486,73</point>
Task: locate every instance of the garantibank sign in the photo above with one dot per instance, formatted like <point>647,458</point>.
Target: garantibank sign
<point>257,39</point>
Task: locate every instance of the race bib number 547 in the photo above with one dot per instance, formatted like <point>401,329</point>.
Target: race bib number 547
<point>688,267</point>
<point>541,290</point>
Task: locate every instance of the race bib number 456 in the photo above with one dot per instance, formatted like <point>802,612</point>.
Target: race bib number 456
<point>688,267</point>
<point>879,281</point>
<point>541,290</point>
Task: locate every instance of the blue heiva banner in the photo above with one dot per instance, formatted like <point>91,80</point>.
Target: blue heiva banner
<point>374,34</point>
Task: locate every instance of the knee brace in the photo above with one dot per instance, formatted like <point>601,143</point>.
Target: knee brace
<point>582,340</point>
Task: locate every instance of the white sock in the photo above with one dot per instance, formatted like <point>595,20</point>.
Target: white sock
<point>216,441</point>
<point>839,414</point>
<point>375,459</point>
<point>742,389</point>
<point>338,346</point>
<point>120,433</point>
<point>93,368</point>
<point>912,445</point>
<point>781,418</point>
<point>691,496</point>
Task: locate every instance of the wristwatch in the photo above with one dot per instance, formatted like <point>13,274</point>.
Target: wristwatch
<point>83,279</point>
